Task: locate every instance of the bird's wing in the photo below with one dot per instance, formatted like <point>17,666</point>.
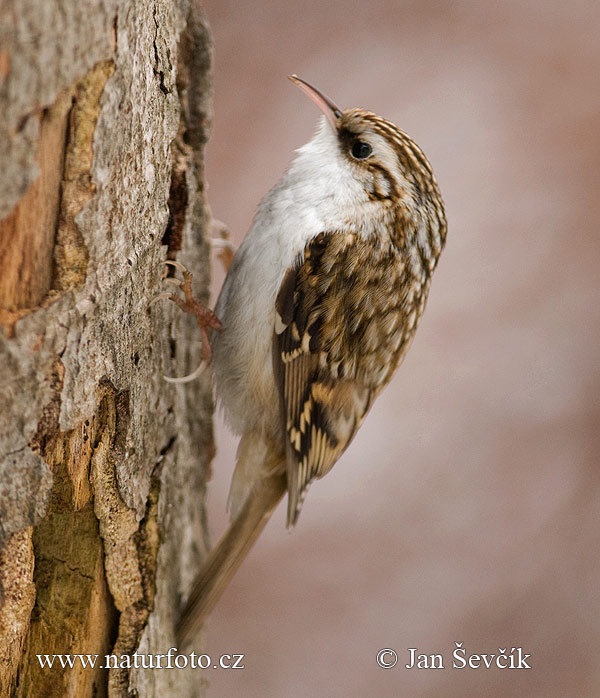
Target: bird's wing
<point>338,338</point>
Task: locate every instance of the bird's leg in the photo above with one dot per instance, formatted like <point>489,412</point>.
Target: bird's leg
<point>204,316</point>
<point>220,240</point>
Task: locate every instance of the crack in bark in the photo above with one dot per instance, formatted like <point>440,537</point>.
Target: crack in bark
<point>73,612</point>
<point>44,252</point>
<point>178,204</point>
<point>133,619</point>
<point>157,71</point>
<point>71,255</point>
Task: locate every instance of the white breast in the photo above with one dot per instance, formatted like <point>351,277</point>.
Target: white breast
<point>318,193</point>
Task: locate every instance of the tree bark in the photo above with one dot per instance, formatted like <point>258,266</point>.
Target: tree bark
<point>105,109</point>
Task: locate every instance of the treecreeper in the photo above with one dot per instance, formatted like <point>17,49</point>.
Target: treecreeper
<point>319,307</point>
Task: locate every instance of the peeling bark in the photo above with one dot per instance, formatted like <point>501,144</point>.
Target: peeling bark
<point>106,109</point>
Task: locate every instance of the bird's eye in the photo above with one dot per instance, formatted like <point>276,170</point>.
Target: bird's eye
<point>361,150</point>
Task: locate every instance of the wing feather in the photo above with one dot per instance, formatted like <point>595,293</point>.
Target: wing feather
<point>332,336</point>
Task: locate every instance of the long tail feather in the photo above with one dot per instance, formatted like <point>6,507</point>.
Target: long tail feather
<point>225,558</point>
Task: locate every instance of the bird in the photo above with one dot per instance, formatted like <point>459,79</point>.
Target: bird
<point>317,310</point>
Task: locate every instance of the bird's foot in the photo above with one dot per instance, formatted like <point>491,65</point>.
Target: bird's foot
<point>220,240</point>
<point>204,316</point>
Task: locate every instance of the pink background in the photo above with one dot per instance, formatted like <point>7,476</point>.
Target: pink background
<point>467,508</point>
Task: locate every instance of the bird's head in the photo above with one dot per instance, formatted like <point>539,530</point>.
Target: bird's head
<point>388,165</point>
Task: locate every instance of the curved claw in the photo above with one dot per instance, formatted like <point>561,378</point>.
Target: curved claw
<point>173,281</point>
<point>177,265</point>
<point>205,317</point>
<point>190,377</point>
<point>160,297</point>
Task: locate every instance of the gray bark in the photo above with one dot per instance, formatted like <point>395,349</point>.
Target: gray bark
<point>104,111</point>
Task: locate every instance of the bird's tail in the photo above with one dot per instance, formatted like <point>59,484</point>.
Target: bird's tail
<point>225,558</point>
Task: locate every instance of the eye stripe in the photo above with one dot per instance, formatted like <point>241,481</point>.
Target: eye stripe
<point>394,193</point>
<point>415,160</point>
<point>412,163</point>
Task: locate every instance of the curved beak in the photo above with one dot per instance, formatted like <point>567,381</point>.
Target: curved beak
<point>329,108</point>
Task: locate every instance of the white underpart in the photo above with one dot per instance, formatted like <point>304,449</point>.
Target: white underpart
<point>318,193</point>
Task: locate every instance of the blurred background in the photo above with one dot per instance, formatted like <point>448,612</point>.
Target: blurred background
<point>467,508</point>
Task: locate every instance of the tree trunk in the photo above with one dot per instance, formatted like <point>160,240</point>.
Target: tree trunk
<point>104,110</point>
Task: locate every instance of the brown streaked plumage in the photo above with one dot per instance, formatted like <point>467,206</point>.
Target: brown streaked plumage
<point>345,323</point>
<point>318,309</point>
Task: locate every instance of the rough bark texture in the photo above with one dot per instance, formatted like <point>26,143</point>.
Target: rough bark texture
<point>104,113</point>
